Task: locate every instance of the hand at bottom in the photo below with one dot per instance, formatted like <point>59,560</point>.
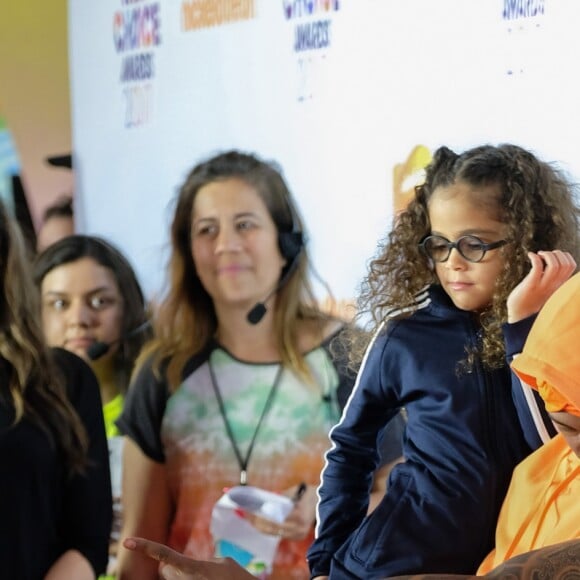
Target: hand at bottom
<point>176,566</point>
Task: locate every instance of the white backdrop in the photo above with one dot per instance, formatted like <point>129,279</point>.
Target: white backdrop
<point>158,85</point>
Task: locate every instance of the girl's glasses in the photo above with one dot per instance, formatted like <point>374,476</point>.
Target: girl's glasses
<point>470,247</point>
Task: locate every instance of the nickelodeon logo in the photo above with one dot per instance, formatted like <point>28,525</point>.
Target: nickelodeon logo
<point>137,28</point>
<point>197,14</point>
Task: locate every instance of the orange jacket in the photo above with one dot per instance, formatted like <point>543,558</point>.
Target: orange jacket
<point>542,505</point>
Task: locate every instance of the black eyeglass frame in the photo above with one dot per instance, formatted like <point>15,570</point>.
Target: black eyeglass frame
<point>484,247</point>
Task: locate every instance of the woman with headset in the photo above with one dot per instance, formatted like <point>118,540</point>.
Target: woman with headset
<point>244,378</point>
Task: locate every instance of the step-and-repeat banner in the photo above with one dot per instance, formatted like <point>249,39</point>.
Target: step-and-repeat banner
<point>351,97</point>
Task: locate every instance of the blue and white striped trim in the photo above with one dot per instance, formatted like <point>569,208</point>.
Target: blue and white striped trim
<point>422,300</point>
<point>534,408</point>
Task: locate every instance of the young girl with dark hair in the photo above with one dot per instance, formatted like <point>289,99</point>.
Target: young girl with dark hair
<point>488,237</point>
<point>92,305</point>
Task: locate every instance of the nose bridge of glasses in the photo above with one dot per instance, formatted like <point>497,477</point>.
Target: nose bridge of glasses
<point>458,246</point>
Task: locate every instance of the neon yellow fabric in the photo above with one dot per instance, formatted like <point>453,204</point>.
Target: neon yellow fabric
<point>111,412</point>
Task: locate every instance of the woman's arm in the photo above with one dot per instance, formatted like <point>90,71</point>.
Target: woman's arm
<point>72,564</point>
<point>174,565</point>
<point>147,509</point>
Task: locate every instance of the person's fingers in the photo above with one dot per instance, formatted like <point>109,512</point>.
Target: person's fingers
<point>551,263</point>
<point>295,527</point>
<point>288,530</point>
<point>549,270</point>
<point>268,527</point>
<point>296,530</point>
<point>537,268</point>
<point>557,258</point>
<point>550,267</point>
<point>559,266</point>
<point>168,572</point>
<point>562,256</point>
<point>177,566</point>
<point>536,259</point>
<point>565,264</point>
<point>153,550</point>
<point>571,261</point>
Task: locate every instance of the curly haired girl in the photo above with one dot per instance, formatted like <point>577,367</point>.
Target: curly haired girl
<point>452,294</point>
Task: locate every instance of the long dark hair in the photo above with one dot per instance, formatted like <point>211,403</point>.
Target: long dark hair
<point>35,386</point>
<point>73,248</point>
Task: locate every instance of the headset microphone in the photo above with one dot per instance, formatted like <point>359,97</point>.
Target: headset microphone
<point>291,246</point>
<point>259,310</point>
<point>99,349</point>
<point>257,313</point>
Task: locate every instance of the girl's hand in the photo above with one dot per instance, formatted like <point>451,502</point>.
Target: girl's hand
<point>549,271</point>
<point>176,565</point>
<point>300,520</point>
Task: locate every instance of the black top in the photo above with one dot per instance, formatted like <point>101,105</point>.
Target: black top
<point>43,511</point>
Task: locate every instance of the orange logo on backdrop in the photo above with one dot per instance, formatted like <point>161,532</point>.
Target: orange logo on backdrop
<point>409,174</point>
<point>197,14</point>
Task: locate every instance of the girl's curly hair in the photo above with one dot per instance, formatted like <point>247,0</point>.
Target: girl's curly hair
<point>533,198</point>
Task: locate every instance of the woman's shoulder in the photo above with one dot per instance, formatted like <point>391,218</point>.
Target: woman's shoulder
<point>334,327</point>
<point>314,334</point>
<point>153,368</point>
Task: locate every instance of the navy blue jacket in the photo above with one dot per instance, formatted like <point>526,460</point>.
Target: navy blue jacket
<point>463,439</point>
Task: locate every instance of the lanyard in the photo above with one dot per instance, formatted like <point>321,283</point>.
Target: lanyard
<point>243,462</point>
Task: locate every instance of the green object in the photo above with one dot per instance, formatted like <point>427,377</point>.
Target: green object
<point>111,412</point>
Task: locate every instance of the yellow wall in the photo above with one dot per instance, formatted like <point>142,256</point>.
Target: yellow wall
<point>34,93</point>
